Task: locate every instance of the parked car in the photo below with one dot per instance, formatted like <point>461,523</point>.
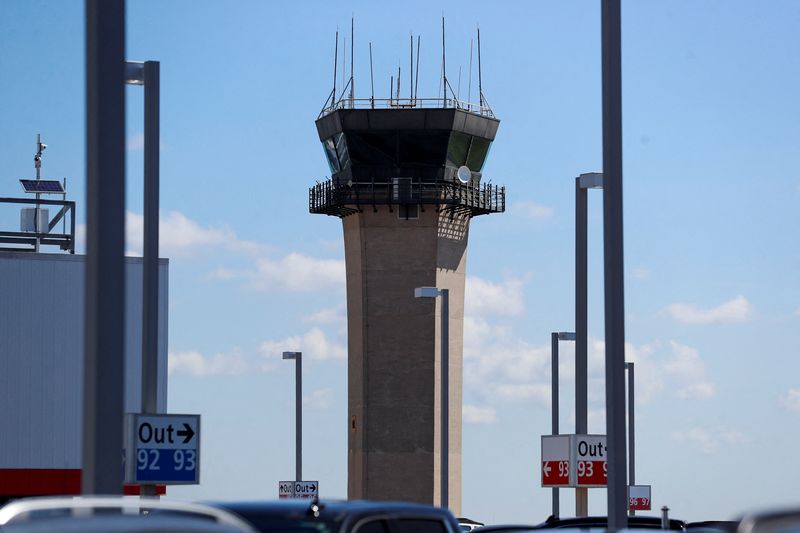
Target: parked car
<point>589,523</point>
<point>314,516</point>
<point>116,515</point>
<point>775,521</point>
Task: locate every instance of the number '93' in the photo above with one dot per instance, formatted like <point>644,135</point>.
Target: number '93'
<point>181,459</point>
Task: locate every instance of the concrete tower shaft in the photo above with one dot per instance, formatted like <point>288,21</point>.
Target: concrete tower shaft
<point>406,182</point>
<point>394,353</point>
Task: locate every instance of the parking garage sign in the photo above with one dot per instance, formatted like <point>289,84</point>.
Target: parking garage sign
<point>574,461</point>
<point>591,464</point>
<point>298,489</point>
<point>639,498</point>
<point>555,460</point>
<point>162,449</point>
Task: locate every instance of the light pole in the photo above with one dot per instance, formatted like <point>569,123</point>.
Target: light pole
<point>584,182</point>
<point>104,304</point>
<point>298,410</point>
<point>631,439</point>
<point>433,292</point>
<point>614,280</point>
<point>554,338</point>
<point>147,73</point>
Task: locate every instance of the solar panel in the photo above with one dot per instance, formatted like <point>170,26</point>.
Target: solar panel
<point>42,186</point>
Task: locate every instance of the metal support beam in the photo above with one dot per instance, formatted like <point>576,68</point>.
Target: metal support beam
<point>150,282</point>
<point>105,243</point>
<point>554,407</point>
<point>298,412</point>
<point>631,431</point>
<point>613,264</point>
<point>581,334</point>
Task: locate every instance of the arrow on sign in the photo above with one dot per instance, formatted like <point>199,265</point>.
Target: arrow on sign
<point>187,433</point>
<point>546,468</point>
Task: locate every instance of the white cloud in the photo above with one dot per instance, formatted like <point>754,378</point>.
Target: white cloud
<point>530,209</point>
<point>331,316</point>
<point>641,273</point>
<point>797,312</point>
<point>297,272</point>
<point>479,415</point>
<point>791,400</point>
<point>500,367</point>
<point>709,441</point>
<point>688,370</point>
<point>736,310</point>
<point>677,369</point>
<point>193,363</point>
<point>314,344</point>
<point>181,236</point>
<point>482,297</point>
<point>319,399</point>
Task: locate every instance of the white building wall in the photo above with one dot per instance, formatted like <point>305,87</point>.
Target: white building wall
<point>41,355</point>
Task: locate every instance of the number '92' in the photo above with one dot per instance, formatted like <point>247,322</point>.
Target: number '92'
<point>181,460</point>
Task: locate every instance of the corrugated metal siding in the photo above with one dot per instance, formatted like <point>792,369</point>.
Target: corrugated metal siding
<point>41,355</point>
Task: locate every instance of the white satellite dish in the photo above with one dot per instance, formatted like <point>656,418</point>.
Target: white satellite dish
<point>464,174</point>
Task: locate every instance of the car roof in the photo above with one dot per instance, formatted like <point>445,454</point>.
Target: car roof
<point>637,521</point>
<point>337,512</point>
<point>120,524</point>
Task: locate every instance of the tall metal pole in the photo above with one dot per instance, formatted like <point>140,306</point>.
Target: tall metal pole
<point>104,310</point>
<point>554,404</point>
<point>298,412</point>
<point>150,249</point>
<point>581,335</point>
<point>445,467</point>
<point>631,431</point>
<point>298,417</point>
<point>613,264</point>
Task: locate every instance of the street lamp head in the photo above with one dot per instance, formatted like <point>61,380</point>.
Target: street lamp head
<point>426,292</point>
<point>591,180</point>
<point>134,72</point>
<point>292,355</point>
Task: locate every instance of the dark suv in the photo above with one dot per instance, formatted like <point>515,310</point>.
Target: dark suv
<point>312,516</point>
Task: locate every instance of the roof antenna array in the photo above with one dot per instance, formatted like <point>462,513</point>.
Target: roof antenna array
<point>371,79</point>
<point>346,98</point>
<point>352,55</point>
<point>469,82</point>
<point>416,76</point>
<point>335,67</point>
<point>444,65</point>
<point>480,82</point>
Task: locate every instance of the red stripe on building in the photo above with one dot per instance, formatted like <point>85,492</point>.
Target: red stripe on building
<point>50,482</point>
<point>39,481</point>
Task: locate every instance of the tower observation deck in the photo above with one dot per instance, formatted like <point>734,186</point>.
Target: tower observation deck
<point>406,153</point>
<point>406,180</point>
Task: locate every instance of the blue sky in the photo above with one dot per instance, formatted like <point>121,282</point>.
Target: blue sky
<point>711,124</point>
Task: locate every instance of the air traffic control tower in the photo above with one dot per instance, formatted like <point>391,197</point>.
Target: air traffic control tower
<point>406,181</point>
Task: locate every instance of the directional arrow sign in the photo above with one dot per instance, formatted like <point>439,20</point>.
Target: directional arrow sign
<point>162,449</point>
<point>555,460</point>
<point>285,489</point>
<point>187,433</point>
<point>298,489</point>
